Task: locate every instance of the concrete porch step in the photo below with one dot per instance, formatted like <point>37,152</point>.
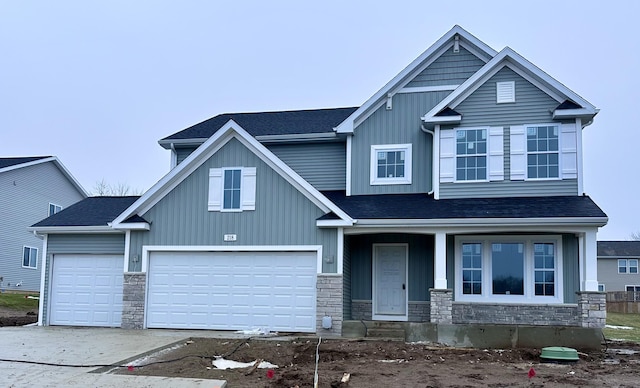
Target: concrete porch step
<point>386,333</point>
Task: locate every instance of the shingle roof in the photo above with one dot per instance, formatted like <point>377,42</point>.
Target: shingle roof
<point>619,248</point>
<point>270,123</point>
<point>92,211</point>
<point>423,206</point>
<point>13,161</point>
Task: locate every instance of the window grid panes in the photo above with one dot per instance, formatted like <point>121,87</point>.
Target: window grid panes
<point>30,257</point>
<point>472,269</point>
<point>391,164</point>
<point>53,209</point>
<point>633,266</point>
<point>231,191</point>
<point>507,265</point>
<point>471,154</point>
<point>542,152</point>
<point>622,266</point>
<point>544,269</point>
<point>628,266</point>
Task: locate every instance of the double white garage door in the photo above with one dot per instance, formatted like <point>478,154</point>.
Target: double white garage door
<point>192,290</point>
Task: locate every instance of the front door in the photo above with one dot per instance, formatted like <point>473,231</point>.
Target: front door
<point>390,282</point>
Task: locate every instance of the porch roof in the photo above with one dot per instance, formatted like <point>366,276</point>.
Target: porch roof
<point>424,206</point>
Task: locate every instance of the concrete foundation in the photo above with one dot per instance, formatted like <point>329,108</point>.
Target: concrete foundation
<point>488,336</point>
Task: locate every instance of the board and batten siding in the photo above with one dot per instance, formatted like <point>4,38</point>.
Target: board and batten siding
<point>449,69</point>
<point>183,152</point>
<point>25,194</point>
<point>400,125</point>
<point>420,264</point>
<point>323,165</point>
<point>282,215</point>
<point>92,244</point>
<point>508,189</point>
<point>346,280</point>
<point>570,268</point>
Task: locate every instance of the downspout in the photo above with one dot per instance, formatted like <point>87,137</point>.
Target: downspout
<point>430,132</point>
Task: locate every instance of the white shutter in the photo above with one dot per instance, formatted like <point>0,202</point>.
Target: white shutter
<point>447,155</point>
<point>568,151</point>
<point>518,145</point>
<point>215,189</point>
<point>248,188</point>
<point>496,153</point>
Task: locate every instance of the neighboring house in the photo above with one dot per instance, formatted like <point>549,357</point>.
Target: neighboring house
<point>618,266</point>
<point>453,196</point>
<point>31,189</point>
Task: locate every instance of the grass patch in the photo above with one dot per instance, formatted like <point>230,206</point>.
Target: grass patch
<point>17,302</point>
<point>628,320</point>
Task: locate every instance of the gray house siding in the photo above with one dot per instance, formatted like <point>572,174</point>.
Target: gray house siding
<point>449,69</point>
<point>323,165</point>
<point>346,280</point>
<point>570,268</point>
<point>25,194</point>
<point>612,280</point>
<point>400,125</point>
<point>93,244</point>
<point>480,109</point>
<point>183,152</point>
<point>283,216</point>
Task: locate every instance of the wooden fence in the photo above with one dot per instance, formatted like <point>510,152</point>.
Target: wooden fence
<point>626,302</point>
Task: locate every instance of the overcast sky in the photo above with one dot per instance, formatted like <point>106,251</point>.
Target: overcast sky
<point>99,83</point>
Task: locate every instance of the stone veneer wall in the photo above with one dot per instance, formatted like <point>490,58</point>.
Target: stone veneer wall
<point>516,314</point>
<point>133,290</point>
<point>441,305</point>
<point>592,309</point>
<point>418,311</point>
<point>329,303</point>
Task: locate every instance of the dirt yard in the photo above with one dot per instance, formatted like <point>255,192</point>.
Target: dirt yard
<point>9,317</point>
<point>392,364</point>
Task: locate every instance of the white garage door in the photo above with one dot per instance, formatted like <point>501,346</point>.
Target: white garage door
<point>232,290</point>
<point>86,290</point>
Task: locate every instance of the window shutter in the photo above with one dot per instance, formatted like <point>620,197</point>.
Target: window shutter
<point>248,188</point>
<point>496,153</point>
<point>215,189</point>
<point>518,143</point>
<point>569,151</point>
<point>447,155</point>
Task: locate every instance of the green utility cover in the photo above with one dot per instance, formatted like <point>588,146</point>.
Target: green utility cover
<point>559,353</point>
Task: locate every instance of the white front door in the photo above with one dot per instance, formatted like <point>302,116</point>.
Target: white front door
<point>390,282</point>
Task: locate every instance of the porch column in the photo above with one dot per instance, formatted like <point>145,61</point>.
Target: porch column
<point>590,258</point>
<point>440,261</point>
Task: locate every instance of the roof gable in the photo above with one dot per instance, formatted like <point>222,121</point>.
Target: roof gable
<point>14,163</point>
<point>231,130</point>
<point>514,61</point>
<point>448,40</point>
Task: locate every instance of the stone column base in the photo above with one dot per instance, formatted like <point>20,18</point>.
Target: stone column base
<point>592,308</point>
<point>441,305</point>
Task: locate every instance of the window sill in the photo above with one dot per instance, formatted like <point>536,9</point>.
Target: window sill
<point>383,182</point>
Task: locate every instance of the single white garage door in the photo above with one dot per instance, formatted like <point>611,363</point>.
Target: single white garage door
<point>232,290</point>
<point>86,290</point>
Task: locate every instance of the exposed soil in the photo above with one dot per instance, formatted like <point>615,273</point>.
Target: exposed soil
<point>10,317</point>
<point>391,364</point>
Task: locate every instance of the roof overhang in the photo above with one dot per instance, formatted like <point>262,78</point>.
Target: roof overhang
<point>132,226</point>
<point>171,143</point>
<point>583,113</point>
<point>73,229</point>
<point>485,222</point>
<point>443,120</point>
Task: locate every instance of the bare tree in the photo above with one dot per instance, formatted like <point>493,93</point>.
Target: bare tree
<point>102,188</point>
<point>635,236</point>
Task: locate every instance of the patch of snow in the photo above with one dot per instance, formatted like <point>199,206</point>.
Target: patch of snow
<point>256,331</point>
<point>618,327</point>
<point>221,363</point>
<point>398,360</point>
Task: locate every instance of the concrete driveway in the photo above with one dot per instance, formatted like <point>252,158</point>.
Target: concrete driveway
<point>86,346</point>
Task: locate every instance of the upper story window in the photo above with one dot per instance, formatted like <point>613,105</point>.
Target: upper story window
<point>232,189</point>
<point>542,152</point>
<point>29,257</point>
<point>53,209</point>
<point>471,154</point>
<point>628,266</point>
<point>390,164</point>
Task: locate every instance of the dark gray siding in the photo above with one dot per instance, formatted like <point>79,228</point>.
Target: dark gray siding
<point>449,69</point>
<point>283,216</point>
<point>324,165</point>
<point>401,125</point>
<point>25,194</point>
<point>346,280</point>
<point>420,264</point>
<point>183,152</point>
<point>508,189</point>
<point>570,268</point>
<point>107,243</point>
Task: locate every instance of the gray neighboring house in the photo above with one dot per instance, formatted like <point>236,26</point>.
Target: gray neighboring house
<point>618,263</point>
<point>31,189</point>
<point>452,198</point>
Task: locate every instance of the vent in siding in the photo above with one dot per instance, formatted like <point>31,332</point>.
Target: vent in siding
<point>505,92</point>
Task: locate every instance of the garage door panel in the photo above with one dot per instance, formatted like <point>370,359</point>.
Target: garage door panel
<point>86,290</point>
<point>233,291</point>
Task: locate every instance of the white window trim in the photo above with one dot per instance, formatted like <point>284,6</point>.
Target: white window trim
<point>455,154</point>
<point>231,210</point>
<point>628,267</point>
<point>373,168</point>
<point>49,208</point>
<point>560,153</point>
<point>247,189</point>
<point>22,257</point>
<point>529,296</point>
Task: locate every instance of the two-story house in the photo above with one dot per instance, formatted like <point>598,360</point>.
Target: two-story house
<point>453,197</point>
<point>618,266</point>
<point>31,189</point>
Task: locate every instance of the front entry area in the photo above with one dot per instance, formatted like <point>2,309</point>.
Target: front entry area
<point>390,282</point>
<point>232,290</point>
